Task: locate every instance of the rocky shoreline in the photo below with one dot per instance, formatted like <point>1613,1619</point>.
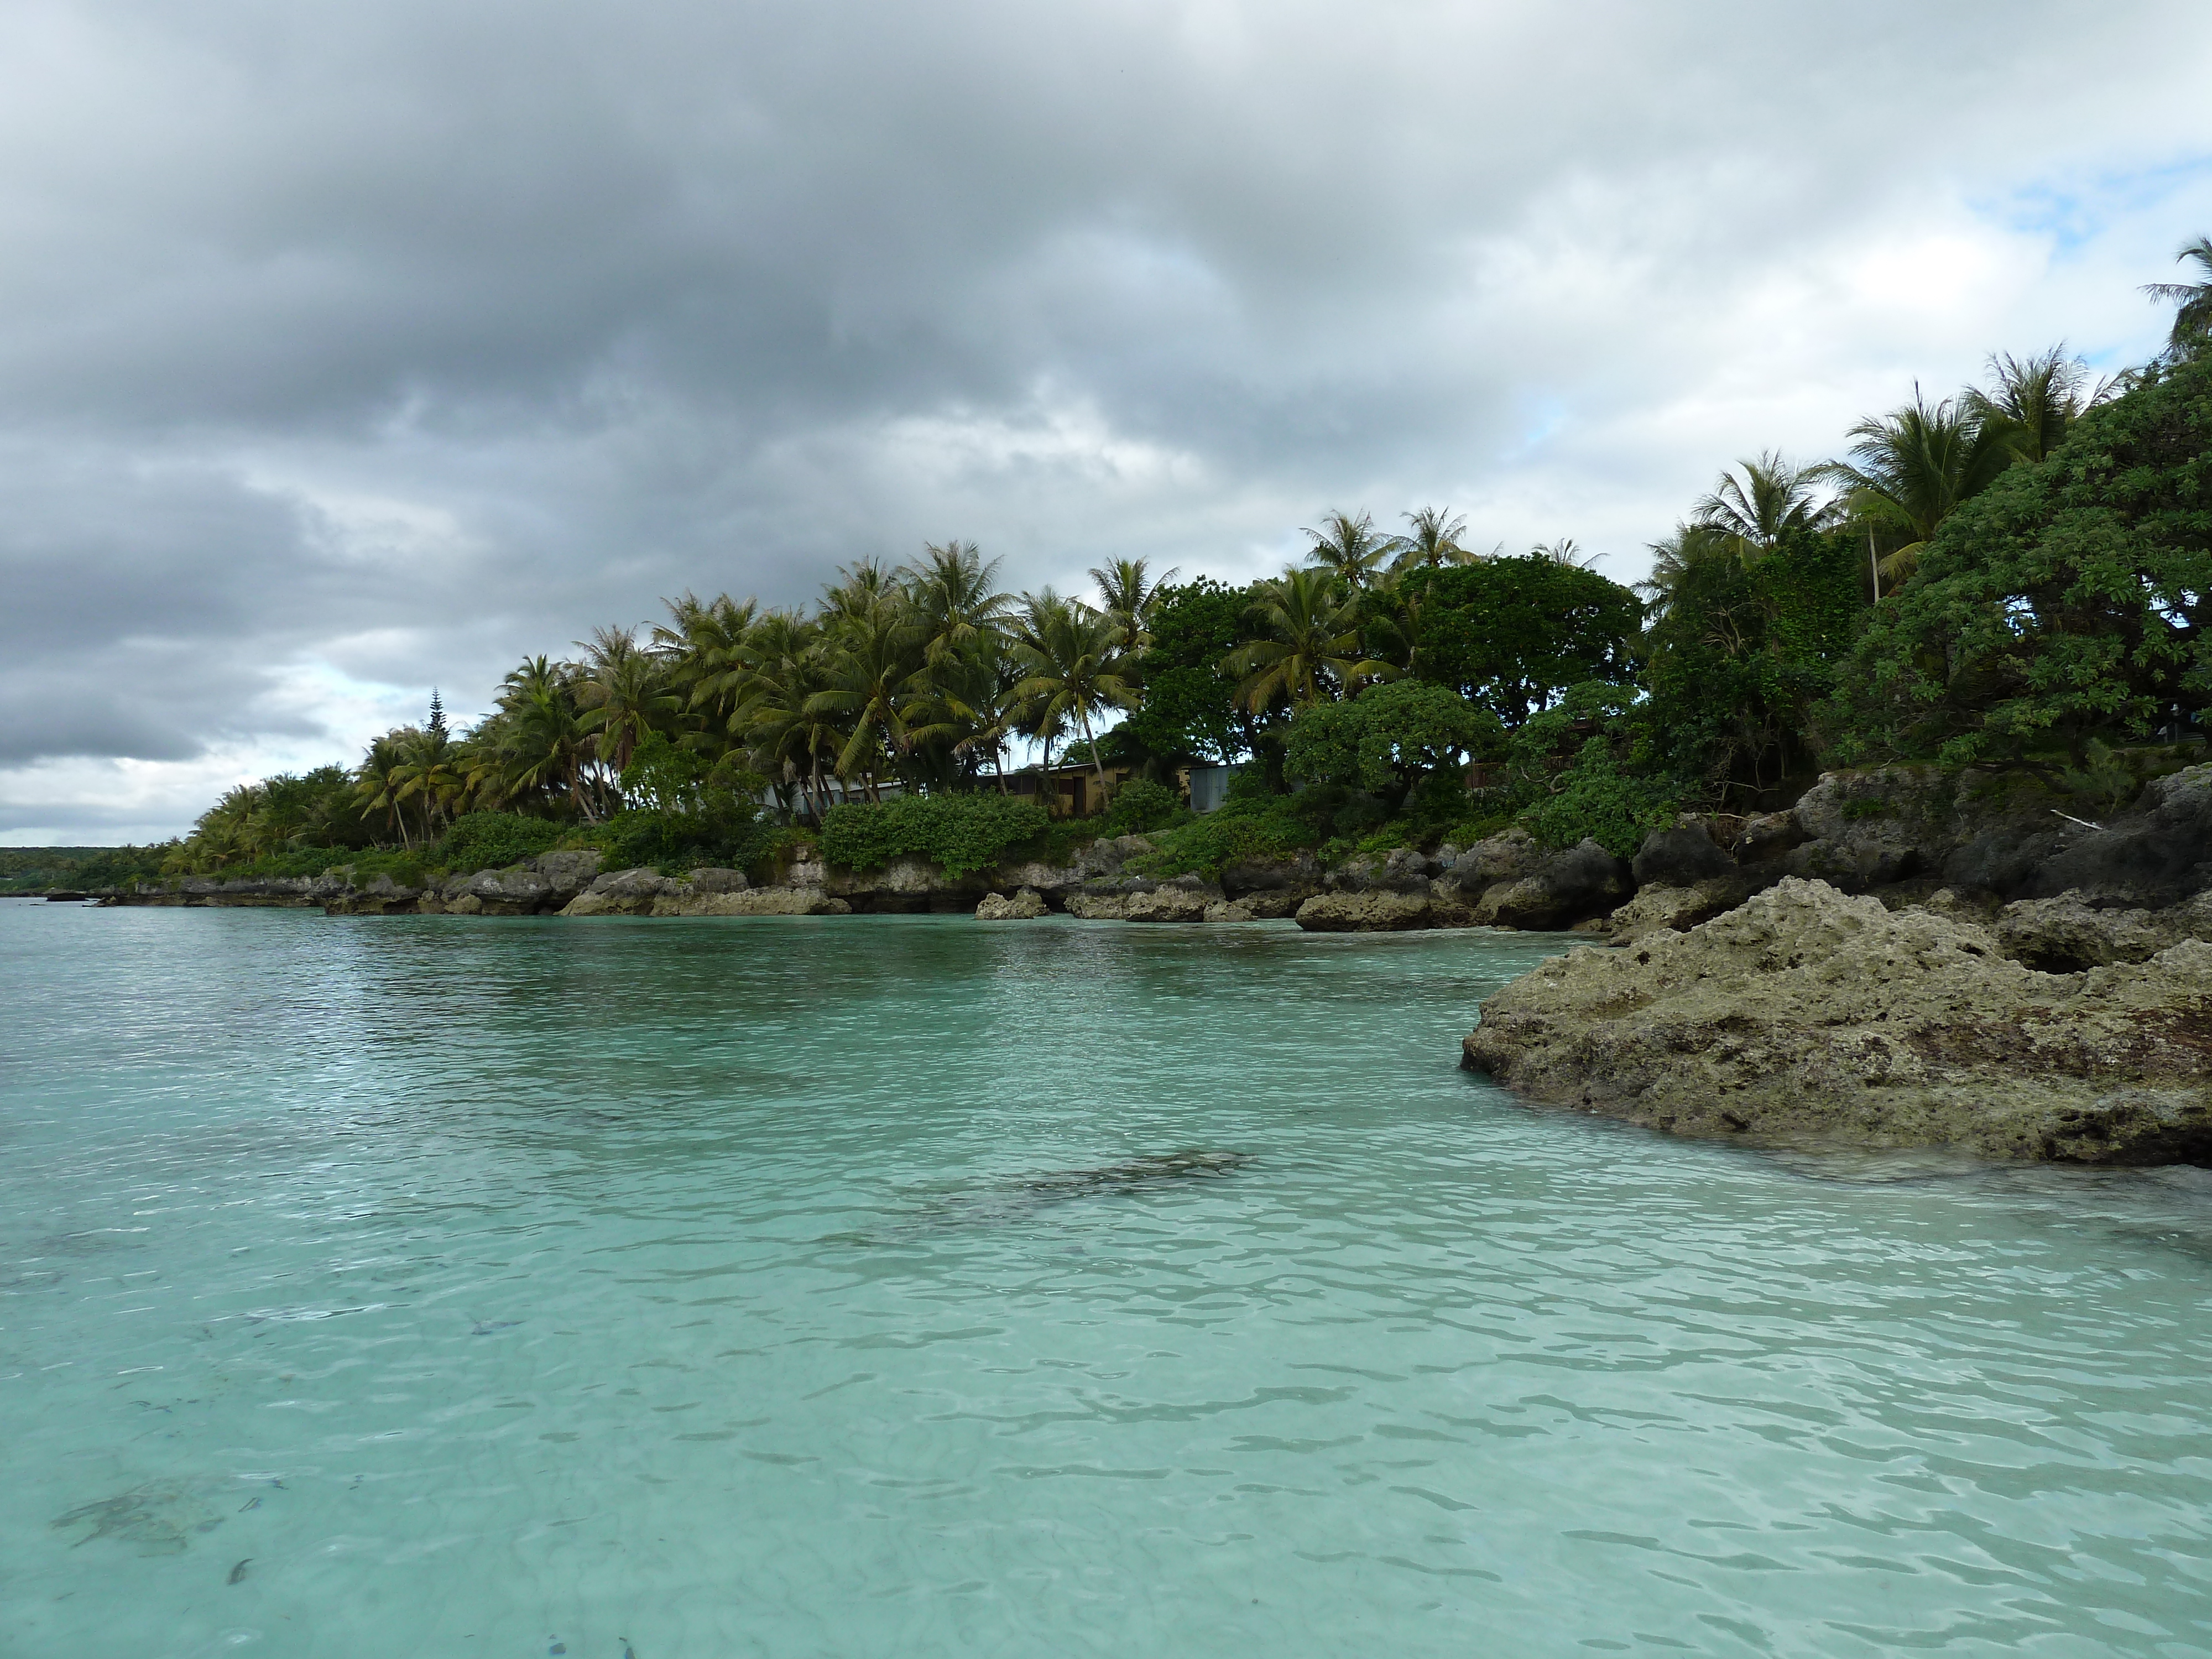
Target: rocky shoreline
<point>1904,959</point>
<point>1807,1015</point>
<point>1928,969</point>
<point>2060,892</point>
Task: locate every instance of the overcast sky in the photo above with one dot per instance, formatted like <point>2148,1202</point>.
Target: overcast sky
<point>345,350</point>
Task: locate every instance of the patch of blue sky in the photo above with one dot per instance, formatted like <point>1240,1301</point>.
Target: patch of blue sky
<point>2075,213</point>
<point>1545,420</point>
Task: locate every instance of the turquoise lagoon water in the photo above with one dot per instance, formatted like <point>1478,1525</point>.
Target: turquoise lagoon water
<point>429,1286</point>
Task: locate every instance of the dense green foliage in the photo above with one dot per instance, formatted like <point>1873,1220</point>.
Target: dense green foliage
<point>962,834</point>
<point>1190,709</point>
<point>733,837</point>
<point>1141,804</point>
<point>2019,574</point>
<point>2067,604</point>
<point>493,840</point>
<point>37,869</point>
<point>1741,655</point>
<point>1513,633</point>
<point>1389,739</point>
<point>1593,798</point>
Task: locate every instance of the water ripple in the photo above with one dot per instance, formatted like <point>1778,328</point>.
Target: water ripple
<point>786,1287</point>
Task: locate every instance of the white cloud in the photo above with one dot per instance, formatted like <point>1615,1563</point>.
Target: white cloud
<point>347,352</point>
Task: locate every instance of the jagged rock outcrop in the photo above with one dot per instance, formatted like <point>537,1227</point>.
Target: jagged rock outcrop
<point>1401,870</point>
<point>1583,881</point>
<point>1098,907</point>
<point>1167,904</point>
<point>1681,856</point>
<point>755,902</point>
<point>707,892</point>
<point>1027,905</point>
<point>2067,934</point>
<point>1507,856</point>
<point>1676,909</point>
<point>1811,1015</point>
<point>1229,910</point>
<point>380,896</point>
<point>2156,855</point>
<point>1160,901</point>
<point>536,887</point>
<point>623,893</point>
<point>1984,832</point>
<point>1273,890</point>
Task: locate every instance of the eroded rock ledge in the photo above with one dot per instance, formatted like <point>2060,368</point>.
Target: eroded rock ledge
<point>1809,1015</point>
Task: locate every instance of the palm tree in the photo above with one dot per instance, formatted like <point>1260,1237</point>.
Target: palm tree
<point>2192,316</point>
<point>953,597</point>
<point>874,668</point>
<point>1563,551</point>
<point>1672,559</point>
<point>704,650</point>
<point>857,591</point>
<point>1434,541</point>
<point>1308,642</point>
<point>1128,594</point>
<point>1758,501</point>
<point>429,769</point>
<point>623,694</point>
<point>2033,403</point>
<point>536,745</point>
<point>380,781</point>
<point>1912,468</point>
<point>785,673</point>
<point>1350,547</point>
<point>1072,661</point>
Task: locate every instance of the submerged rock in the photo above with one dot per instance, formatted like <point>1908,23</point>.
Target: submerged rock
<point>1808,1014</point>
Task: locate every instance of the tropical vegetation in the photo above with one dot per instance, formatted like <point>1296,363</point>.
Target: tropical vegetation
<point>2016,575</point>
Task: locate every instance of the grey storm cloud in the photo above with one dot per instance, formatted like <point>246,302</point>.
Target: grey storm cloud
<point>403,339</point>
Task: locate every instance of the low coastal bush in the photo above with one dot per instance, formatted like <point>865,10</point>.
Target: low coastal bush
<point>1249,829</point>
<point>729,835</point>
<point>1141,805</point>
<point>492,840</point>
<point>35,869</point>
<point>962,834</point>
<point>1595,801</point>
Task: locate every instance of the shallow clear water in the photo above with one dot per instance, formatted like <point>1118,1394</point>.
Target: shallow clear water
<point>721,1287</point>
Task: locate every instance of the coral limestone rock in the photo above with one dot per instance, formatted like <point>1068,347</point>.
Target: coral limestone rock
<point>1806,1014</point>
<point>1027,905</point>
<point>1376,912</point>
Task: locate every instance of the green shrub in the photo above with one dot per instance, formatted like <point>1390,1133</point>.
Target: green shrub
<point>1596,802</point>
<point>492,840</point>
<point>729,836</point>
<point>1261,829</point>
<point>1141,805</point>
<point>960,834</point>
<point>1391,739</point>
